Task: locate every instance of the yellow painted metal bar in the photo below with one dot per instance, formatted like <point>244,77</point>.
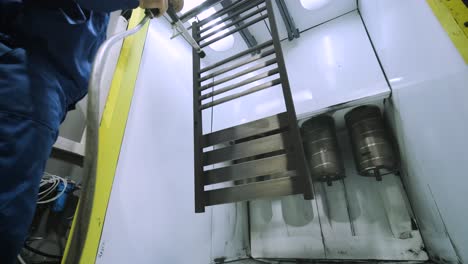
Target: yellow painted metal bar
<point>111,134</point>
<point>453,16</point>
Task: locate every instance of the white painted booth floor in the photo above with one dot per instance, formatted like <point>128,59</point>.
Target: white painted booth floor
<point>355,219</point>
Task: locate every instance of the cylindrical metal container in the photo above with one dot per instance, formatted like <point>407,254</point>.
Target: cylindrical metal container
<point>372,147</point>
<point>321,149</point>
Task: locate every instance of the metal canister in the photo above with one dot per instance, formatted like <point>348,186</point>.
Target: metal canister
<point>321,149</point>
<point>373,151</point>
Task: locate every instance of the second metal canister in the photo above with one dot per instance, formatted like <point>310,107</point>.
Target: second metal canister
<point>321,149</point>
<point>372,147</point>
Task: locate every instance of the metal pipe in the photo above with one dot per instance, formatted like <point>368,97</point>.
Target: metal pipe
<point>233,23</point>
<point>234,31</point>
<point>237,65</point>
<point>179,26</point>
<point>245,33</point>
<point>239,55</point>
<point>222,12</point>
<point>231,16</point>
<point>288,100</point>
<point>239,74</point>
<point>243,93</point>
<point>200,199</point>
<point>186,35</point>
<point>240,84</point>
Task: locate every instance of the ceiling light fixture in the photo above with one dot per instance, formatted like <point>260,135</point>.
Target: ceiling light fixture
<point>314,4</point>
<point>190,4</point>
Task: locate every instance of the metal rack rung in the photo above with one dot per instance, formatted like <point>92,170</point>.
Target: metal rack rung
<point>257,190</point>
<point>260,159</point>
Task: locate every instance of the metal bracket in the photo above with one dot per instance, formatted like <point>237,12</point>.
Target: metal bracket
<point>293,31</point>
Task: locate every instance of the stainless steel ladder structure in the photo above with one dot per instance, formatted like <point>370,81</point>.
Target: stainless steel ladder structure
<point>265,156</point>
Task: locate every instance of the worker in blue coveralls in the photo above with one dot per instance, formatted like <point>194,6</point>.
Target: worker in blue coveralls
<point>46,52</point>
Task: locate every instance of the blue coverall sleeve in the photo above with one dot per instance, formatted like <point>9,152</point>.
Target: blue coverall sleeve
<point>107,5</point>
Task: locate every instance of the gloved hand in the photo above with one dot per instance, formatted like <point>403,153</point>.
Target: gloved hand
<point>161,5</point>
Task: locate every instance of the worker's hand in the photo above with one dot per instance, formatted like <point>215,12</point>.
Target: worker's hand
<point>161,5</point>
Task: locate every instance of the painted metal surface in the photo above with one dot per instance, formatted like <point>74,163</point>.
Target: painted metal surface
<point>291,227</point>
<point>150,216</point>
<point>333,64</point>
<point>329,65</point>
<point>274,141</point>
<point>428,108</point>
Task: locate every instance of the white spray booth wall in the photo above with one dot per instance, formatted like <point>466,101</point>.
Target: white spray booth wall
<point>429,80</point>
<point>151,219</point>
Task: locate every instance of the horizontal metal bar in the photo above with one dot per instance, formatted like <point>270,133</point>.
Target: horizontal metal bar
<point>250,169</point>
<point>245,33</point>
<point>239,55</point>
<point>246,149</point>
<point>257,190</point>
<point>243,83</point>
<point>224,11</point>
<point>233,23</point>
<point>253,128</point>
<point>246,25</point>
<point>239,74</point>
<point>237,65</point>
<point>279,175</point>
<point>231,15</point>
<point>243,93</point>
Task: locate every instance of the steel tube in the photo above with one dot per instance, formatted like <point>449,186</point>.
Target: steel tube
<point>246,25</point>
<point>231,16</point>
<point>246,92</point>
<point>237,56</point>
<point>288,100</point>
<point>197,131</point>
<point>237,65</point>
<point>239,74</point>
<point>223,12</point>
<point>240,84</point>
<point>233,23</point>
